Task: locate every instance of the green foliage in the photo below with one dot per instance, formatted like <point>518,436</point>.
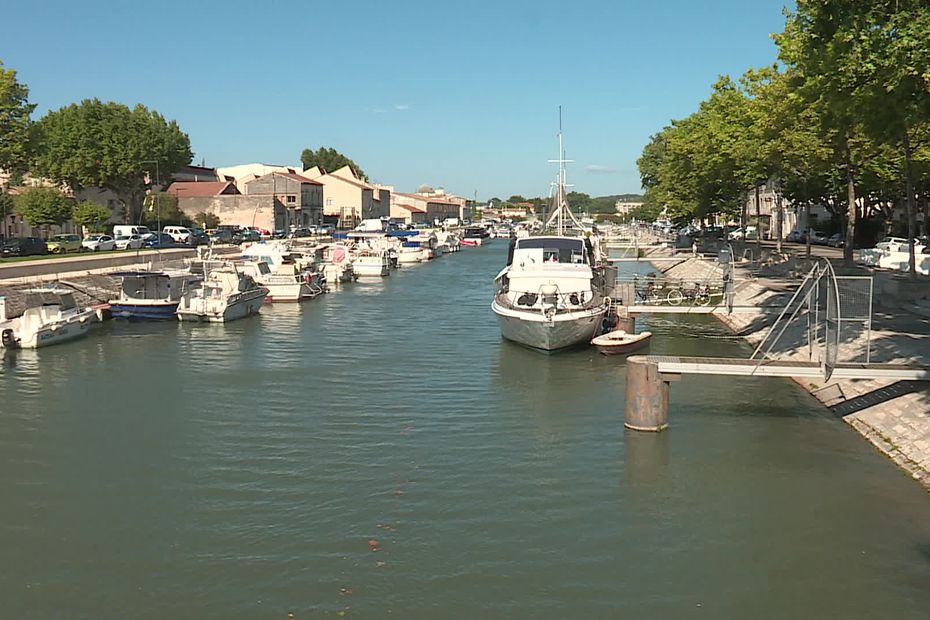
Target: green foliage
<point>15,123</point>
<point>43,206</point>
<point>161,209</point>
<point>6,204</point>
<point>108,145</point>
<point>91,215</point>
<point>329,159</point>
<point>207,220</point>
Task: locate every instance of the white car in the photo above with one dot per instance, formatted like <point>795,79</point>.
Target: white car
<point>98,243</point>
<point>129,242</point>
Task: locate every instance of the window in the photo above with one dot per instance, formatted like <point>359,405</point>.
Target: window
<point>291,199</point>
<point>329,202</point>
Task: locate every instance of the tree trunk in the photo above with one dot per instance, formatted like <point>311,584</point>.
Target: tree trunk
<point>742,213</point>
<point>779,219</point>
<point>851,203</point>
<point>758,225</point>
<point>807,228</point>
<point>926,227</point>
<point>909,204</point>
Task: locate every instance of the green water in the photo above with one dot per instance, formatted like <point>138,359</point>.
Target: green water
<point>380,452</point>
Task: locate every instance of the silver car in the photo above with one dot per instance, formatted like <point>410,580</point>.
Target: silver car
<point>129,242</point>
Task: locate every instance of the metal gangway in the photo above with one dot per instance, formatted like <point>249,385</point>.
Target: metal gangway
<point>828,309</point>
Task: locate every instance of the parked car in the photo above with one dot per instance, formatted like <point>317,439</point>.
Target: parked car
<point>818,238</point>
<point>836,240</point>
<point>181,234</point>
<point>164,240</point>
<point>221,235</point>
<point>62,244</point>
<point>739,234</point>
<point>129,242</point>
<point>246,235</point>
<point>124,230</point>
<point>24,246</point>
<point>302,231</point>
<point>199,237</point>
<point>325,229</point>
<point>98,243</point>
<point>796,236</point>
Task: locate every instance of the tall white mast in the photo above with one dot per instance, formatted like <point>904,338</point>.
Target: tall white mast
<point>562,183</point>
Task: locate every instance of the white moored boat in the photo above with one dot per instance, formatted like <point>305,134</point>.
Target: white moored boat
<point>284,283</point>
<point>51,317</point>
<point>371,264</point>
<point>552,292</point>
<point>225,294</point>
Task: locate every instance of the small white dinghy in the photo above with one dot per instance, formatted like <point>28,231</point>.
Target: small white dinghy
<point>618,341</point>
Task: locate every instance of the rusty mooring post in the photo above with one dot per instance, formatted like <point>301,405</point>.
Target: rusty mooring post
<point>646,395</point>
<point>626,321</point>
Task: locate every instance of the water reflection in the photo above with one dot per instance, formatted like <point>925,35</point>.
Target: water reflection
<point>645,457</point>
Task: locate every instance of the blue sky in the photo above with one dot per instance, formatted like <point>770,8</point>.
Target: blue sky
<point>463,95</point>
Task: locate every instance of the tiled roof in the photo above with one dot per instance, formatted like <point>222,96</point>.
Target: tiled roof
<point>411,208</point>
<point>296,177</point>
<point>200,188</point>
<point>360,184</point>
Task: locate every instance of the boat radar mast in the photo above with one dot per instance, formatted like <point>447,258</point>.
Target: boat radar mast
<point>562,217</point>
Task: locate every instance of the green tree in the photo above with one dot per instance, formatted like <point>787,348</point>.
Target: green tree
<point>43,206</point>
<point>108,145</point>
<point>15,123</point>
<point>207,220</point>
<point>6,208</point>
<point>329,159</point>
<point>161,209</point>
<point>90,215</point>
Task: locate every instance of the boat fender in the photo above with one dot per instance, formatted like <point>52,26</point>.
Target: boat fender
<point>308,278</point>
<point>8,339</point>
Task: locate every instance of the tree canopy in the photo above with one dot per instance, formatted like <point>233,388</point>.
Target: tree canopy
<point>90,214</point>
<point>112,146</point>
<point>43,206</point>
<point>15,111</point>
<point>329,159</point>
<point>843,121</point>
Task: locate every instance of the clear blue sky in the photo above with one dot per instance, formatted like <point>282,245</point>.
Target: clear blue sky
<point>463,95</point>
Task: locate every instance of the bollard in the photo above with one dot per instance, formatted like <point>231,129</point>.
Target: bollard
<point>627,324</point>
<point>646,396</point>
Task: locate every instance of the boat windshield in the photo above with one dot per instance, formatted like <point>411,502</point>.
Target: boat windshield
<point>556,249</point>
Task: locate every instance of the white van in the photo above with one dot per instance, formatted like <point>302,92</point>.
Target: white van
<point>126,230</point>
<point>180,234</point>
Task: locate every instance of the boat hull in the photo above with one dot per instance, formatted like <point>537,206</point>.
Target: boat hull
<point>144,312</point>
<point>247,305</point>
<point>48,336</point>
<point>533,329</point>
<point>621,346</point>
<point>371,271</point>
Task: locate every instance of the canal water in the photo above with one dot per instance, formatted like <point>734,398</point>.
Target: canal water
<point>380,452</point>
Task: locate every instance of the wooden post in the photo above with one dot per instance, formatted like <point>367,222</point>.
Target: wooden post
<point>626,321</point>
<point>646,395</point>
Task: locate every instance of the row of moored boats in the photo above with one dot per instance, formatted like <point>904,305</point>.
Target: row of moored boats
<point>219,289</point>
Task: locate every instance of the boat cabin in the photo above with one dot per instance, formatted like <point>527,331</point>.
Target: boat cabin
<point>152,285</point>
<point>62,298</point>
<point>532,252</point>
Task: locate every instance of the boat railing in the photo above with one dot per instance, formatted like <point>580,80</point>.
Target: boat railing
<point>551,302</point>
